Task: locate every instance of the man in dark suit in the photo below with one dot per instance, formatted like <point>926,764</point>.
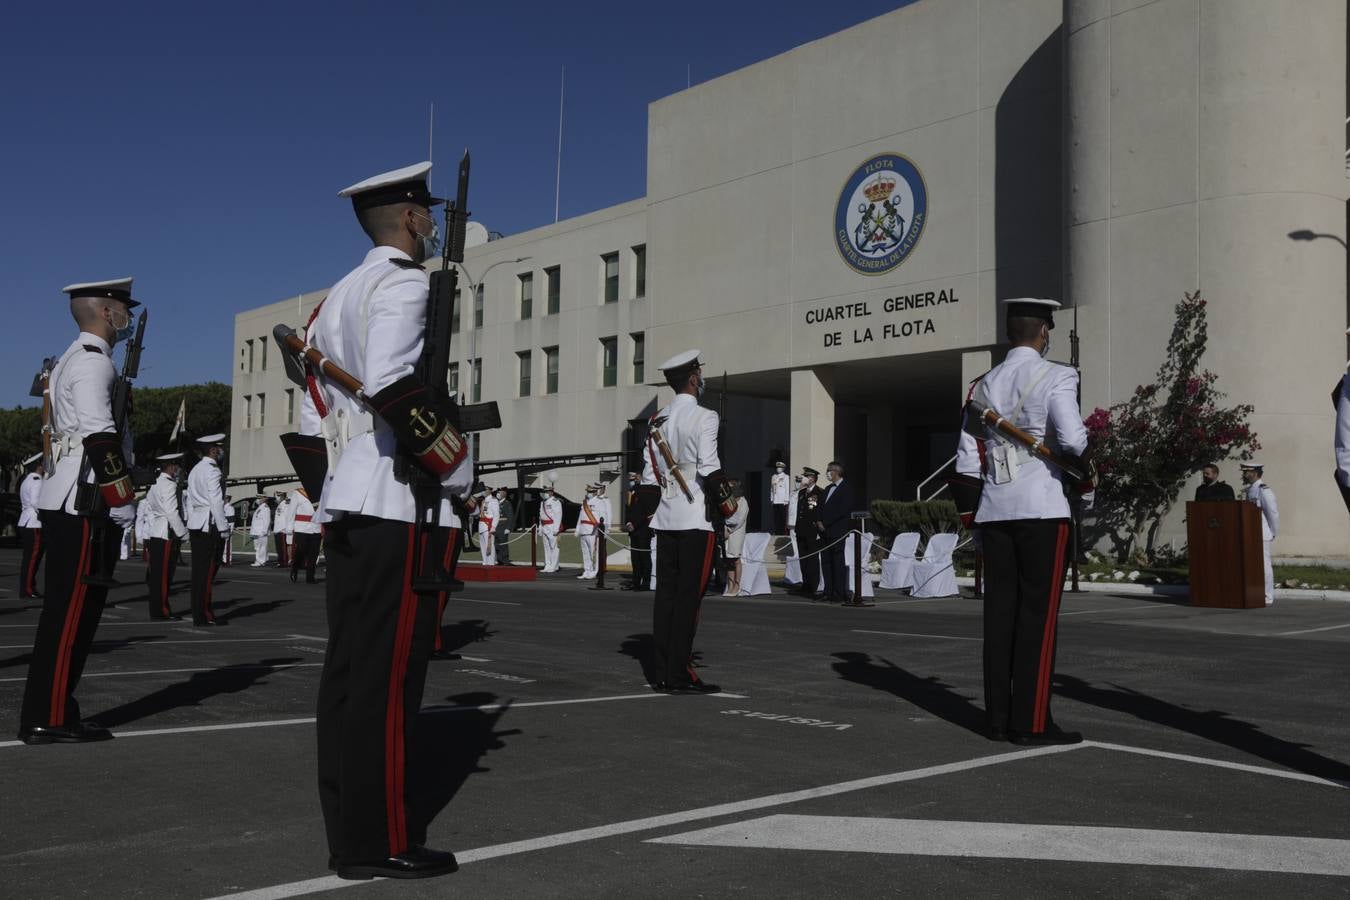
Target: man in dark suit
<point>1211,488</point>
<point>638,523</point>
<point>809,537</point>
<point>838,502</point>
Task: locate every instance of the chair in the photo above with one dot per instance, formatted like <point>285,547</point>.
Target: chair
<point>868,540</point>
<point>754,576</point>
<point>897,569</point>
<point>934,574</point>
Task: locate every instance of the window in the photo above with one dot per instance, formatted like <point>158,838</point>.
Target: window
<point>524,386</point>
<point>526,295</point>
<point>609,364</point>
<point>550,370</point>
<point>248,347</point>
<point>640,270</point>
<point>248,410</point>
<point>262,353</point>
<point>478,308</point>
<point>243,356</point>
<point>554,276</point>
<point>639,357</point>
<point>476,389</point>
<point>290,406</point>
<point>262,410</point>
<point>452,380</point>
<point>611,263</point>
<point>454,314</point>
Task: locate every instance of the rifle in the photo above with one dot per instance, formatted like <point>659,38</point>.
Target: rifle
<point>1081,471</point>
<point>42,388</point>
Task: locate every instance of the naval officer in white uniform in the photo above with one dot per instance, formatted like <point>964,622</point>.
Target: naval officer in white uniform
<point>1258,492</point>
<point>205,502</point>
<point>163,525</point>
<point>30,526</point>
<point>1023,523</point>
<point>372,325</point>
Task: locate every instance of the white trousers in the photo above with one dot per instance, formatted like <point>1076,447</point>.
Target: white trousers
<point>260,549</point>
<point>487,547</point>
<point>550,549</point>
<point>126,543</point>
<point>588,560</point>
<point>1270,573</point>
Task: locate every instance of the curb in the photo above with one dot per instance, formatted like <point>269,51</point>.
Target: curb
<point>1181,590</point>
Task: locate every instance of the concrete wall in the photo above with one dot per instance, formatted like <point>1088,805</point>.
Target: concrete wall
<point>1198,135</point>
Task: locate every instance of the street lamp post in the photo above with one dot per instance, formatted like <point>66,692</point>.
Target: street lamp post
<point>473,326</point>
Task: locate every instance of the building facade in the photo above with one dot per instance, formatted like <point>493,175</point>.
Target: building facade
<point>835,226</point>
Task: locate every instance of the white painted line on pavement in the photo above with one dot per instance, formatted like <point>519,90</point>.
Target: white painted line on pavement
<point>1218,763</point>
<point>1084,612</point>
<point>145,622</point>
<point>246,581</point>
<point>489,707</point>
<point>943,637</point>
<point>494,602</point>
<point>307,637</point>
<point>1310,630</point>
<point>1016,840</point>
<point>314,885</point>
<point>280,668</point>
<point>167,643</point>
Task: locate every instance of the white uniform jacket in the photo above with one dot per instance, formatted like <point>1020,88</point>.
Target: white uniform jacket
<point>142,517</point>
<point>588,516</point>
<point>1343,433</point>
<point>281,519</point>
<point>370,325</point>
<point>29,491</point>
<point>792,509</point>
<point>1259,492</point>
<point>1049,411</point>
<point>301,512</point>
<point>81,394</point>
<point>262,521</point>
<point>205,499</point>
<point>551,515</point>
<point>488,513</point>
<point>161,510</point>
<point>691,432</point>
<point>780,489</point>
<point>229,516</point>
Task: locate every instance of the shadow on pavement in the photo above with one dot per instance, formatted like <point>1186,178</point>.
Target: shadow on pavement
<point>641,648</point>
<point>235,611</point>
<point>1212,725</point>
<point>10,610</point>
<point>94,648</point>
<point>929,694</point>
<point>196,690</point>
<point>465,632</point>
<point>447,747</point>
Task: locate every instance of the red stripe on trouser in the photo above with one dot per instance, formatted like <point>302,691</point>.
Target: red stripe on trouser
<point>1042,709</point>
<point>166,554</point>
<point>31,575</point>
<point>393,719</point>
<point>702,584</point>
<point>61,677</point>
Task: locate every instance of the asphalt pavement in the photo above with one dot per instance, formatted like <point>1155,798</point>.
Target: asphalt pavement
<point>844,758</point>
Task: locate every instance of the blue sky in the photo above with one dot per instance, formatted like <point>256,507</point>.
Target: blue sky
<point>200,147</point>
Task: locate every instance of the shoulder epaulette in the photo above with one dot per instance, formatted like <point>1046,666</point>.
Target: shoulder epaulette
<point>92,349</point>
<point>404,263</point>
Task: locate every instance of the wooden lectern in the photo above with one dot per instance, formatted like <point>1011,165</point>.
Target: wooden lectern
<point>1227,569</point>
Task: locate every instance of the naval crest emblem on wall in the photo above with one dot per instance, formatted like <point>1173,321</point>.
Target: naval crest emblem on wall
<point>880,214</point>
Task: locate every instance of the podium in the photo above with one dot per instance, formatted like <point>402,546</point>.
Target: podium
<point>1227,569</point>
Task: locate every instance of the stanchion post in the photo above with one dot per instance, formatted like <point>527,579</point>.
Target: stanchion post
<point>534,545</point>
<point>857,568</point>
<point>601,535</point>
<point>979,572</point>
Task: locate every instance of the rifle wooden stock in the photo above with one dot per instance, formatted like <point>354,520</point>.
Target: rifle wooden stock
<point>1074,470</point>
<point>660,440</point>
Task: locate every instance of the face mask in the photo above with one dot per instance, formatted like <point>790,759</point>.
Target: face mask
<point>429,245</point>
<point>702,386</point>
<point>1045,351</point>
<point>123,333</point>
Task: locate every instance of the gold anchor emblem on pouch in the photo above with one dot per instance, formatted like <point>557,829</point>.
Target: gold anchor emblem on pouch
<point>112,465</point>
<point>424,422</point>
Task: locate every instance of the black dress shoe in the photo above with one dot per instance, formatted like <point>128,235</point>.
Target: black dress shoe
<point>213,623</point>
<point>294,575</point>
<point>695,687</point>
<point>1050,736</point>
<point>660,687</point>
<point>445,654</point>
<point>996,734</point>
<point>417,862</point>
<point>79,733</point>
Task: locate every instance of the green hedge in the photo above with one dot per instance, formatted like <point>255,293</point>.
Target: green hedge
<point>927,517</point>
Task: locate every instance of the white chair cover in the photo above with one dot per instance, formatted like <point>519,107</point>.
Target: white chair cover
<point>897,569</point>
<point>934,574</point>
<point>868,540</point>
<point>793,575</point>
<point>754,576</point>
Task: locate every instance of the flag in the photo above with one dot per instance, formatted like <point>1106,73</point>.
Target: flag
<point>178,423</point>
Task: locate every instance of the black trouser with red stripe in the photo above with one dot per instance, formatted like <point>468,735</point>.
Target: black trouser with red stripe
<point>157,576</point>
<point>379,641</point>
<point>306,555</point>
<point>70,614</point>
<point>31,538</point>
<point>1024,563</point>
<point>283,558</point>
<point>683,560</point>
<point>205,556</point>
